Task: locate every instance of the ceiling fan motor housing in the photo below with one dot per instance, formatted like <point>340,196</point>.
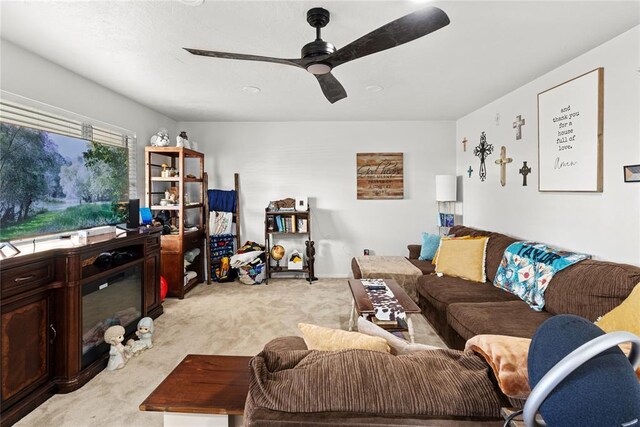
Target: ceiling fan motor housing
<point>318,18</point>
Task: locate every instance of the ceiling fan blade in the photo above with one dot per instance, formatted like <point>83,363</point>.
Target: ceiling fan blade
<point>331,87</point>
<point>402,30</point>
<point>295,62</point>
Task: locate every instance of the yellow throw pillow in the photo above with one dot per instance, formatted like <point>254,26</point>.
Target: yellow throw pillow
<point>320,338</point>
<point>464,258</point>
<point>435,257</point>
<point>625,317</point>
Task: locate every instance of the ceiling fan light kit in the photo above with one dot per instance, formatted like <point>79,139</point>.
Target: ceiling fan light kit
<point>320,57</point>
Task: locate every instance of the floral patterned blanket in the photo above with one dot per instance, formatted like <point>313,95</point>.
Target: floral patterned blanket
<point>528,267</point>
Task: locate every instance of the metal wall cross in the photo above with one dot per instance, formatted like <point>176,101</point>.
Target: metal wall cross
<point>469,171</point>
<point>502,161</point>
<point>524,171</point>
<point>517,125</point>
<point>483,150</point>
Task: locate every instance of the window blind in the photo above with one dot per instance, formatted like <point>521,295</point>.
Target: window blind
<point>27,116</point>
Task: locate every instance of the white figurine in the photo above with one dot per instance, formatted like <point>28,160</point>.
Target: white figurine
<point>182,140</point>
<point>160,139</point>
<point>144,334</point>
<point>118,354</point>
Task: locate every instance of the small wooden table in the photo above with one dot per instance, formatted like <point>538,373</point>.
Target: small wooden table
<point>361,304</point>
<point>203,390</point>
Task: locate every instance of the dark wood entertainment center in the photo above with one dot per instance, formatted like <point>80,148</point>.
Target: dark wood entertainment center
<point>41,330</point>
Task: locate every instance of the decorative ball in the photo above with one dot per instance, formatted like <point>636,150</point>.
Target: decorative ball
<point>277,252</point>
<point>164,288</point>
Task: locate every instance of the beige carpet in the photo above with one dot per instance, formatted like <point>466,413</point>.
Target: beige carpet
<point>217,319</point>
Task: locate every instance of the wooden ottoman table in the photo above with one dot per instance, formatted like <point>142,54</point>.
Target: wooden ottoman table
<point>362,305</point>
<point>203,391</point>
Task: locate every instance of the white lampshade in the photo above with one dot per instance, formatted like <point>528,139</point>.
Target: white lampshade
<point>446,188</point>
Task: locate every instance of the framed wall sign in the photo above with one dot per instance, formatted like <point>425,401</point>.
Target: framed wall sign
<point>380,176</point>
<point>570,120</point>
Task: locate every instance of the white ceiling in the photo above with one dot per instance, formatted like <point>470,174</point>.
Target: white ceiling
<point>134,48</point>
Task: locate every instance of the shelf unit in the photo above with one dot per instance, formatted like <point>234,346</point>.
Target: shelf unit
<point>181,215</point>
<point>271,233</point>
<point>446,210</point>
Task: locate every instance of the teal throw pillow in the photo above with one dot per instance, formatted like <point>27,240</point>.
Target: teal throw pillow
<point>430,244</point>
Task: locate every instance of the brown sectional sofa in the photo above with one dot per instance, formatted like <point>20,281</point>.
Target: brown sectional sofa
<point>459,309</point>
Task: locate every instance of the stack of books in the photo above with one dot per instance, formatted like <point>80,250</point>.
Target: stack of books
<point>290,224</point>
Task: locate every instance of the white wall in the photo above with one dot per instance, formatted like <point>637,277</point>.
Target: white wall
<point>605,224</point>
<point>318,159</point>
<point>26,74</point>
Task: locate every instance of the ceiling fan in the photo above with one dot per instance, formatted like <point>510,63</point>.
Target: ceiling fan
<point>320,57</point>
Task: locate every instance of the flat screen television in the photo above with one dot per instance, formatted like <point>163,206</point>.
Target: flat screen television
<point>52,183</point>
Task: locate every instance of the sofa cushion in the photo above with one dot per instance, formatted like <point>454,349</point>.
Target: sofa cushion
<point>625,317</point>
<point>463,258</point>
<point>442,291</point>
<point>425,266</point>
<point>414,251</point>
<point>513,318</point>
<point>590,288</point>
<point>398,345</point>
<point>430,243</point>
<point>344,381</point>
<point>495,248</point>
<point>327,339</point>
<point>288,343</point>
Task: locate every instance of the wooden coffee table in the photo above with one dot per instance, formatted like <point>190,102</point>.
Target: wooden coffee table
<point>203,391</point>
<point>362,305</point>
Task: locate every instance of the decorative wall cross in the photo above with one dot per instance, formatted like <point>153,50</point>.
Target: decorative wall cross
<point>524,171</point>
<point>517,125</point>
<point>464,144</point>
<point>502,161</point>
<point>469,171</point>
<point>483,150</point>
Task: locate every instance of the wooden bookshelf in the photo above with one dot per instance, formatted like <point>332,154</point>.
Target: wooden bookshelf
<point>286,225</point>
<point>182,214</point>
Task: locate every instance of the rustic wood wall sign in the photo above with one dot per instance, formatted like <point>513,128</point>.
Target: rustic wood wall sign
<point>570,120</point>
<point>482,151</point>
<point>380,175</point>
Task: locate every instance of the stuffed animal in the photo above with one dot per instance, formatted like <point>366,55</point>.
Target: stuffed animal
<point>118,354</point>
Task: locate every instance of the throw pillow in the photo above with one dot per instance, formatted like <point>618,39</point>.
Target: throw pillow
<point>320,338</point>
<point>398,345</point>
<point>464,258</point>
<point>430,243</point>
<point>625,317</point>
<point>507,357</point>
<point>450,237</point>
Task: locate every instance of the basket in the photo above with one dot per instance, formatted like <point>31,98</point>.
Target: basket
<point>252,274</point>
